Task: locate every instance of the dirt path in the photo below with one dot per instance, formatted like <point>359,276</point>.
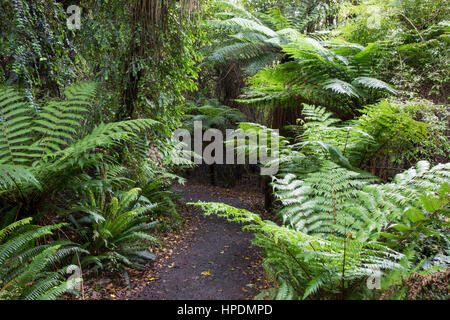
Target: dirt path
<point>219,261</point>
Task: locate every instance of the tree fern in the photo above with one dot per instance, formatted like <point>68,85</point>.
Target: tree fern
<point>40,148</point>
<point>320,73</point>
<point>314,204</point>
<point>255,41</point>
<point>305,265</point>
<point>115,229</point>
<point>26,269</point>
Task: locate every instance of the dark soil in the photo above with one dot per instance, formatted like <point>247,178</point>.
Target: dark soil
<point>218,262</point>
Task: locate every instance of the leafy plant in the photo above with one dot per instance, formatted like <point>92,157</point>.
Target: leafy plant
<point>403,133</point>
<point>159,191</point>
<point>331,74</point>
<point>425,229</point>
<point>212,115</point>
<point>242,36</point>
<point>114,230</point>
<point>40,149</point>
<point>319,204</point>
<point>26,269</point>
<point>309,266</point>
<point>408,43</point>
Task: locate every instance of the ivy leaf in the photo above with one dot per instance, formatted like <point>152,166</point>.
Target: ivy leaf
<point>401,227</point>
<point>415,215</point>
<point>431,204</point>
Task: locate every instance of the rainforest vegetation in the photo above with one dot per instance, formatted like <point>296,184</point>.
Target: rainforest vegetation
<point>356,92</point>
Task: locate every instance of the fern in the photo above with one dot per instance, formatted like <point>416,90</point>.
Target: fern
<point>407,189</point>
<point>16,133</point>
<point>296,259</point>
<point>115,230</point>
<point>255,41</point>
<point>57,122</point>
<point>320,73</point>
<point>319,202</point>
<point>25,269</point>
<point>211,114</point>
<point>12,176</point>
<point>40,148</point>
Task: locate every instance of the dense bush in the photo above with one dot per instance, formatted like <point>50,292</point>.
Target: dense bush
<point>330,245</point>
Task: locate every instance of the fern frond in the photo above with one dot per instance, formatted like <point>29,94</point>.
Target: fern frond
<point>373,83</point>
<point>12,176</point>
<point>15,129</point>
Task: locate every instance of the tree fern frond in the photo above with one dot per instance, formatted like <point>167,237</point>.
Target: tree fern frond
<point>341,87</point>
<point>373,83</point>
<point>12,176</point>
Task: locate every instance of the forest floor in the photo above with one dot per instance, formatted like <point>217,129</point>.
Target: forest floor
<point>206,258</point>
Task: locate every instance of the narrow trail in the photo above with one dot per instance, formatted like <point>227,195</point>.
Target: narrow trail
<point>218,262</point>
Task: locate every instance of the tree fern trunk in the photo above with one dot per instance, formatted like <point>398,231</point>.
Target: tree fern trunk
<point>268,194</point>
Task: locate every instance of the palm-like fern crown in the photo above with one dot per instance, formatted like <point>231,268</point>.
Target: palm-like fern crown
<point>317,203</point>
<point>36,145</point>
<point>254,39</point>
<point>212,114</point>
<point>321,73</point>
<point>118,228</point>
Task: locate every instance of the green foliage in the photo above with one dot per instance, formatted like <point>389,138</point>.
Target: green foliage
<point>320,204</point>
<point>114,229</point>
<point>409,187</point>
<point>40,149</point>
<point>424,228</point>
<point>158,190</point>
<point>351,143</point>
<point>26,269</point>
<point>305,15</point>
<point>34,46</point>
<point>255,41</point>
<point>332,238</point>
<point>408,41</point>
<point>405,132</point>
<point>327,73</point>
<point>391,133</point>
<point>391,127</point>
<point>146,60</point>
<point>370,21</point>
<point>322,194</point>
<point>89,143</point>
<point>212,115</point>
<point>309,266</point>
<point>422,233</point>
